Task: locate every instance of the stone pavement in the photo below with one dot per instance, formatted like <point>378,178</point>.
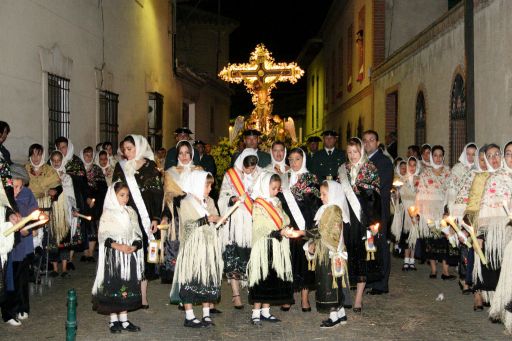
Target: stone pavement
<point>409,312</point>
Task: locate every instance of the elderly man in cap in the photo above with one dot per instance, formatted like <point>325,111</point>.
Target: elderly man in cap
<point>251,140</point>
<point>325,162</point>
<point>181,134</point>
<point>206,161</point>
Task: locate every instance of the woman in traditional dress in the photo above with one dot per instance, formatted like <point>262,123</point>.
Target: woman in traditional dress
<point>46,186</point>
<point>97,191</point>
<point>177,182</point>
<point>494,231</point>
<point>117,287</point>
<point>278,161</point>
<point>106,167</point>
<point>330,255</point>
<point>301,199</point>
<point>501,302</point>
<point>139,172</point>
<point>199,264</point>
<point>65,230</point>
<point>269,268</point>
<point>403,227</point>
<point>236,235</point>
<point>430,202</point>
<point>426,151</point>
<point>361,183</point>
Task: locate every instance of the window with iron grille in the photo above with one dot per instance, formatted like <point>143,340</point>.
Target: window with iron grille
<point>58,108</point>
<point>155,114</point>
<point>457,119</point>
<point>421,120</point>
<point>108,117</point>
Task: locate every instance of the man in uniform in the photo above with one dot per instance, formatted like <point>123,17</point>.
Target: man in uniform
<point>251,140</point>
<point>325,162</point>
<point>181,134</point>
<point>311,148</point>
<point>206,161</point>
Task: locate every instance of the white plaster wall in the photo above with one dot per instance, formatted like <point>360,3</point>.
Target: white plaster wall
<point>137,54</point>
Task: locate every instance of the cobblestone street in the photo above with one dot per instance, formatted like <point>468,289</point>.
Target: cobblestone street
<point>409,312</point>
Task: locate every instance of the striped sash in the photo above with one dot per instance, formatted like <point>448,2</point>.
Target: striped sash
<point>271,212</point>
<point>239,187</point>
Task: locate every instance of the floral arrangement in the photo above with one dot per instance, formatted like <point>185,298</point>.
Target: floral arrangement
<point>221,153</point>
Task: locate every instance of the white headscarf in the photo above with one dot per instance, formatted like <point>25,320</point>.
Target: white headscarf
<point>69,155</point>
<point>433,164</point>
<point>97,162</point>
<point>197,185</point>
<point>426,162</point>
<point>62,168</point>
<point>262,187</point>
<point>397,169</point>
<point>355,167</point>
<point>336,196</point>
<point>87,165</point>
<point>281,164</point>
<point>239,162</point>
<point>142,151</point>
<point>294,175</point>
<point>120,212</point>
<point>41,162</point>
<point>463,158</point>
<point>191,163</point>
<point>490,168</point>
<point>477,168</point>
<point>410,176</point>
<point>504,162</point>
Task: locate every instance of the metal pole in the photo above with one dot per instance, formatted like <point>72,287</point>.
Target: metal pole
<point>469,49</point>
<point>71,324</point>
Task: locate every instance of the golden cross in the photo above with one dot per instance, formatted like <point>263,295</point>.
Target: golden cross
<point>261,74</point>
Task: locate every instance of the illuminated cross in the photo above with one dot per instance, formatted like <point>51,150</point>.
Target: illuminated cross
<point>261,74</point>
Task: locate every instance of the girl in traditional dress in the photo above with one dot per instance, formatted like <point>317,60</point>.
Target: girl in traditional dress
<point>361,183</point>
<point>106,167</point>
<point>198,275</point>
<point>97,190</point>
<point>403,227</point>
<point>300,197</point>
<point>116,289</point>
<point>426,151</point>
<point>269,268</point>
<point>237,233</point>
<point>139,172</point>
<point>65,230</point>
<point>177,182</point>
<point>330,256</point>
<point>494,230</point>
<point>430,202</point>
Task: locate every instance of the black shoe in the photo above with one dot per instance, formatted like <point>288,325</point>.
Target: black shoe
<point>215,311</point>
<point>207,321</point>
<point>487,304</point>
<point>467,291</point>
<point>91,259</point>
<point>71,266</point>
<point>64,274</point>
<point>478,308</point>
<point>83,259</point>
<point>494,320</point>
<point>115,327</point>
<point>130,327</point>
<point>271,318</point>
<point>377,292</point>
<point>144,306</point>
<point>54,274</point>
<point>306,310</point>
<point>343,320</point>
<point>412,267</point>
<point>285,308</point>
<point>357,310</point>
<point>433,276</point>
<point>405,267</point>
<point>449,277</point>
<point>194,323</point>
<point>330,324</point>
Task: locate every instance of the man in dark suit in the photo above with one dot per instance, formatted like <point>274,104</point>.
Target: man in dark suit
<point>312,147</point>
<point>251,140</point>
<point>206,161</point>
<point>392,145</point>
<point>385,170</point>
<point>181,134</point>
<point>325,162</point>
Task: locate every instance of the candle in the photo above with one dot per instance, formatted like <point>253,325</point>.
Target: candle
<point>86,217</point>
<point>163,226</point>
<point>230,211</point>
<point>32,216</point>
<point>35,224</point>
<point>413,211</point>
<point>398,183</point>
<point>476,246</point>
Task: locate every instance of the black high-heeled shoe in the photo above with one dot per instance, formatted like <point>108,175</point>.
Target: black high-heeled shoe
<point>239,307</point>
<point>358,310</point>
<point>478,308</point>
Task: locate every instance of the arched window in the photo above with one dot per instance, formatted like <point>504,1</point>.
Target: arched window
<point>348,133</point>
<point>360,127</point>
<point>457,119</point>
<point>421,120</point>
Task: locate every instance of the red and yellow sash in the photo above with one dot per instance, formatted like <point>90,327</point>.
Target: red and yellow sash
<point>271,212</point>
<point>239,187</point>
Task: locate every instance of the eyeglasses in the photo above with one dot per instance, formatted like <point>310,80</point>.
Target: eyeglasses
<point>494,156</point>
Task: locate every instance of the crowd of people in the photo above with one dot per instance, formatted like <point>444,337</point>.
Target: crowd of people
<point>290,221</point>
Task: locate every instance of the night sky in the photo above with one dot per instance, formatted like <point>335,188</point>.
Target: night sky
<point>283,26</point>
